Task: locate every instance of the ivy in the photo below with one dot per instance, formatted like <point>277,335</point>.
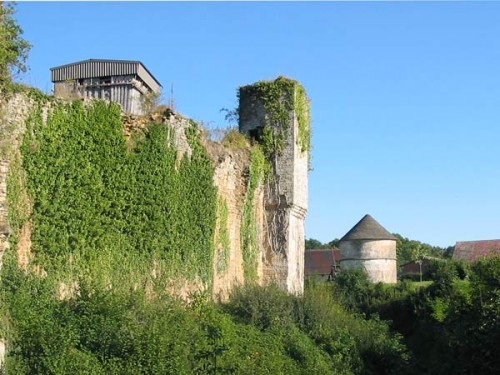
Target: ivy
<point>279,98</point>
<point>303,111</point>
<point>17,196</point>
<point>223,242</point>
<point>132,214</point>
<point>249,230</point>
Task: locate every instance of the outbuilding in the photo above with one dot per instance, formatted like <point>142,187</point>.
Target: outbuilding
<point>128,83</point>
<point>321,264</point>
<point>369,246</point>
<point>472,251</point>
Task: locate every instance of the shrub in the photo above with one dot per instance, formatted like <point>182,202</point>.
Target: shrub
<point>264,308</point>
<point>234,139</point>
<point>353,286</point>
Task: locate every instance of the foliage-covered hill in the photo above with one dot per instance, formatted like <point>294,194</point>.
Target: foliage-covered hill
<point>450,326</point>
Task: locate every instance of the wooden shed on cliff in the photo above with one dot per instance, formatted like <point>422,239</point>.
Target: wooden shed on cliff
<point>128,83</point>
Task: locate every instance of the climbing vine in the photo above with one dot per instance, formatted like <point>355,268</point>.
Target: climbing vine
<point>249,230</point>
<point>96,202</point>
<point>268,109</point>
<point>223,242</point>
<point>279,98</point>
<point>303,111</point>
<point>17,196</point>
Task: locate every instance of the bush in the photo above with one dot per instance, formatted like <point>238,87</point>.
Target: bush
<point>354,287</point>
<point>264,308</point>
<point>234,139</point>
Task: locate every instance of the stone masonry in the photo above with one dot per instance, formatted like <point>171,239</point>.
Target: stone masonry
<point>280,205</point>
<point>13,113</point>
<point>286,198</point>
<point>369,246</point>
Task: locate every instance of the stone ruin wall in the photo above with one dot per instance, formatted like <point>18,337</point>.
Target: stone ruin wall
<point>231,179</point>
<point>13,113</point>
<point>285,201</point>
<point>281,257</point>
<point>230,176</point>
<point>286,204</point>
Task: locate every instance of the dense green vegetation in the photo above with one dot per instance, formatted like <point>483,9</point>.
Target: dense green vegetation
<point>13,48</point>
<point>249,239</point>
<point>223,242</point>
<point>280,97</point>
<point>450,326</point>
<point>447,327</point>
<point>412,250</point>
<point>134,213</point>
<point>313,244</point>
<point>111,227</point>
<point>259,331</point>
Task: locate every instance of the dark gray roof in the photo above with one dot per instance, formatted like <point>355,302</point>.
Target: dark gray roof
<point>103,67</point>
<point>368,229</point>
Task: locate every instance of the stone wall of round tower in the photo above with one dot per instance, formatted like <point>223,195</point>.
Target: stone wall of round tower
<point>377,257</point>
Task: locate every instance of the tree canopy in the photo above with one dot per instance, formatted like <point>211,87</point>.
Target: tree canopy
<point>412,250</point>
<point>13,48</point>
<point>313,244</point>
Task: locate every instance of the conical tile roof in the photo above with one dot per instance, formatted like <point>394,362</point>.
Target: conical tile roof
<point>368,229</point>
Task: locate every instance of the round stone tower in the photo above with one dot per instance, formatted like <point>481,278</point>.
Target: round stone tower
<point>368,245</point>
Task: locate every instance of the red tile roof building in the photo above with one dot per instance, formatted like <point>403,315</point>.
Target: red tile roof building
<point>472,251</point>
<point>322,263</point>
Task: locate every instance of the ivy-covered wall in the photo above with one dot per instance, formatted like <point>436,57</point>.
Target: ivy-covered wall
<point>94,205</point>
<point>269,105</point>
<point>157,206</point>
<point>120,217</point>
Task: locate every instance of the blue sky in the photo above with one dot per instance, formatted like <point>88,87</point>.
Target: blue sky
<point>405,96</point>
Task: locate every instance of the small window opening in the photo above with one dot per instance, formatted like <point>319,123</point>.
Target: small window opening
<point>256,133</point>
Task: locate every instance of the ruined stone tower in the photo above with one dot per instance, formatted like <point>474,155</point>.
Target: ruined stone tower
<point>276,114</point>
<point>369,246</point>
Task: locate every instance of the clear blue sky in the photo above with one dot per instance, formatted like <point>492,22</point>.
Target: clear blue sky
<point>405,96</point>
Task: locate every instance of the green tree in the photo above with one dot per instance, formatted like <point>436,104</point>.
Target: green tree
<point>408,250</point>
<point>333,243</point>
<point>312,243</point>
<point>13,48</point>
<point>417,255</point>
